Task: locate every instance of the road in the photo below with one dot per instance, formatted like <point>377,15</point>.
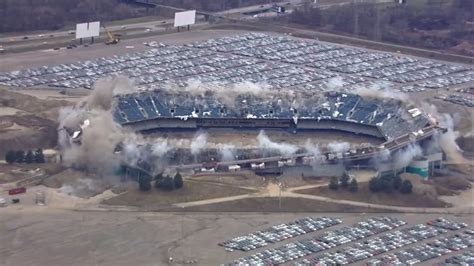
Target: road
<point>139,28</point>
<point>45,36</point>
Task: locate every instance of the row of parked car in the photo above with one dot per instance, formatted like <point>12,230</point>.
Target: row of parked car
<point>335,58</point>
<point>279,233</point>
<point>446,224</point>
<point>460,99</point>
<point>375,246</point>
<point>279,61</point>
<point>329,239</point>
<point>465,258</point>
<point>424,252</point>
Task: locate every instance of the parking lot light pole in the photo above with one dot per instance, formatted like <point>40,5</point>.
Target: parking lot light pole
<point>279,196</point>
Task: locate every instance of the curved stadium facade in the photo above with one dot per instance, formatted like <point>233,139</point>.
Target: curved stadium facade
<point>351,113</point>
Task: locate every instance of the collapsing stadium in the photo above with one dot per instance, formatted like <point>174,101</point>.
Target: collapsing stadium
<point>397,127</point>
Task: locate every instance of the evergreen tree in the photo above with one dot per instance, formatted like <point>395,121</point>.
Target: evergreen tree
<point>178,181</point>
<point>19,156</point>
<point>167,183</point>
<point>345,180</point>
<point>10,157</point>
<point>406,187</point>
<point>397,182</point>
<point>158,179</point>
<point>386,184</point>
<point>39,156</point>
<point>374,184</point>
<point>29,157</point>
<point>353,185</point>
<point>334,183</point>
<point>144,183</point>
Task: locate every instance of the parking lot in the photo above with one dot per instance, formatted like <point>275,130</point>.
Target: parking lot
<point>465,258</point>
<point>278,233</point>
<point>424,252</point>
<point>277,61</point>
<point>329,239</point>
<point>385,239</point>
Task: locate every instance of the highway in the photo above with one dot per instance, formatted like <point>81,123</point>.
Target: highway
<point>140,28</point>
<point>117,27</point>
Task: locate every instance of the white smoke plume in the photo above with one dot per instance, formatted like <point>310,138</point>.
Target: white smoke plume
<point>160,147</point>
<point>336,147</point>
<point>403,158</point>
<point>198,143</point>
<point>312,148</point>
<point>226,152</point>
<point>266,144</point>
<point>380,90</point>
<point>384,155</point>
<point>335,84</point>
<point>99,140</point>
<point>445,141</point>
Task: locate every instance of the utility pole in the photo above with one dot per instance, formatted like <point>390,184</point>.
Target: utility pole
<point>377,22</point>
<point>356,17</point>
<point>279,196</point>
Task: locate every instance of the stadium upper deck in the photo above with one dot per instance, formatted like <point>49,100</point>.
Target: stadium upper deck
<point>333,111</point>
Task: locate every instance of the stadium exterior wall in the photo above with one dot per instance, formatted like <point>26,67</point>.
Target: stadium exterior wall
<point>257,123</point>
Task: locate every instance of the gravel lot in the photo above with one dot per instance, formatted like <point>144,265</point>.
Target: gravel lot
<point>41,236</point>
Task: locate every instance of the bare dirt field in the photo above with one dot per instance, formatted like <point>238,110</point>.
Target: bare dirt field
<point>241,178</point>
<point>159,199</point>
<point>271,204</point>
<point>53,237</point>
<point>71,95</point>
<point>365,195</point>
<point>27,122</point>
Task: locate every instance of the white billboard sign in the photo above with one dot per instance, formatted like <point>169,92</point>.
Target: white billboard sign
<point>184,18</point>
<point>86,30</point>
<point>94,28</point>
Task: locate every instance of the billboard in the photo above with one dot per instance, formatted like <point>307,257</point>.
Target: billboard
<point>86,30</point>
<point>184,18</point>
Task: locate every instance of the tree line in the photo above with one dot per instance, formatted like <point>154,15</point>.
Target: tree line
<point>163,182</point>
<point>345,182</point>
<point>28,157</point>
<point>407,24</point>
<point>390,184</point>
<point>386,184</point>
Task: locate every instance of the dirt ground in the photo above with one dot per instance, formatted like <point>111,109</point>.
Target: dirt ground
<point>56,237</point>
<point>33,123</point>
<point>365,195</point>
<point>271,204</point>
<point>159,199</point>
<point>242,178</point>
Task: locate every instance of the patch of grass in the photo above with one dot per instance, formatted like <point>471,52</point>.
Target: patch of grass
<point>270,204</point>
<point>158,19</point>
<point>365,195</point>
<point>192,191</point>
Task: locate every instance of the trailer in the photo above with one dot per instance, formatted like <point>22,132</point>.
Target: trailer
<point>18,190</point>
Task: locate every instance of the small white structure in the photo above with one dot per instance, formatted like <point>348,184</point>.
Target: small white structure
<point>234,168</point>
<point>88,30</point>
<point>185,18</point>
<point>52,156</point>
